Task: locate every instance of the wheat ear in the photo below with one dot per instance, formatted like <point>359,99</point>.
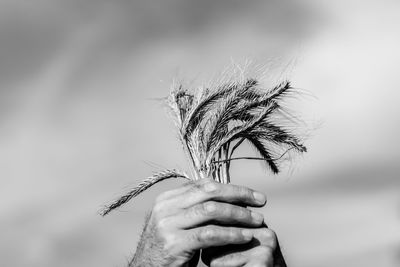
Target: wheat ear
<point>145,184</point>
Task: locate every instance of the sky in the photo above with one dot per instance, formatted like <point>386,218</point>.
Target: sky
<point>80,123</point>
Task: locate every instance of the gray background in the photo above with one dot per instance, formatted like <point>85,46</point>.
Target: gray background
<point>79,124</point>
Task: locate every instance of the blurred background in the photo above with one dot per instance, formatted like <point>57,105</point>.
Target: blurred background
<point>79,124</point>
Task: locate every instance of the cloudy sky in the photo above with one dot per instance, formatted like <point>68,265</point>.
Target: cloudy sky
<point>79,124</point>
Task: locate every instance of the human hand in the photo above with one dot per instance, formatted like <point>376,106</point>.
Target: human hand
<point>187,219</point>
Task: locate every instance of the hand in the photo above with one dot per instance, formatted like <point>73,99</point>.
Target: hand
<point>263,251</point>
<point>184,221</point>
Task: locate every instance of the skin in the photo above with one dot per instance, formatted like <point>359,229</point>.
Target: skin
<point>211,217</point>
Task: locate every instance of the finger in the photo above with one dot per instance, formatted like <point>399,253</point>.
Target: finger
<point>175,192</point>
<point>278,256</point>
<point>213,253</point>
<point>265,237</point>
<point>231,260</point>
<point>166,204</point>
<point>236,253</point>
<point>223,213</point>
<point>256,256</point>
<point>212,235</point>
<point>207,189</point>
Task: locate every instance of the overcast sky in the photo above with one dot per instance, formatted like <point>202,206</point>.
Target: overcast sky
<point>79,123</point>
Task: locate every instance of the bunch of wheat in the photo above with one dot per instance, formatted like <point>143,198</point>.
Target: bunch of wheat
<point>213,122</point>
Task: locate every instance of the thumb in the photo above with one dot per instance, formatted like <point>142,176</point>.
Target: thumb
<point>279,261</point>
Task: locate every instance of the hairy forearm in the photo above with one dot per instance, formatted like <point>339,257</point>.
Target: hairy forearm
<point>141,258</point>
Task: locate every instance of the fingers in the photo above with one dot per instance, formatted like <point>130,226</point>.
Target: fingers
<point>212,211</point>
<point>212,236</point>
<point>260,257</point>
<point>261,251</point>
<point>257,256</point>
<point>207,189</point>
<point>182,220</point>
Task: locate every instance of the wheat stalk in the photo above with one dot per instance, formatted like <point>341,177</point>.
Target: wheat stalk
<point>213,122</point>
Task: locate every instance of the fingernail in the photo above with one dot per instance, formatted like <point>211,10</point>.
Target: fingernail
<point>258,218</point>
<point>247,234</point>
<point>259,197</point>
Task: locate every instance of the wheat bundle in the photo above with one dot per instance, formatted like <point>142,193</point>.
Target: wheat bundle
<point>213,122</point>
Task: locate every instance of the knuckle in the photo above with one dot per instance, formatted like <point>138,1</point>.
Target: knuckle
<point>209,186</point>
<point>162,224</point>
<point>199,186</point>
<point>195,211</point>
<point>240,213</point>
<point>210,208</point>
<point>194,189</point>
<point>229,212</point>
<point>208,233</point>
<point>268,233</point>
<point>170,242</point>
<point>267,237</point>
<point>234,234</point>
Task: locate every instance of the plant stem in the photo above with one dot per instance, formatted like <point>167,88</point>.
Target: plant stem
<point>194,167</point>
<point>253,158</point>
<point>228,163</point>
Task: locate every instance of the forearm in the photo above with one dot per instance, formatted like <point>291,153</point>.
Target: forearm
<point>141,257</point>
